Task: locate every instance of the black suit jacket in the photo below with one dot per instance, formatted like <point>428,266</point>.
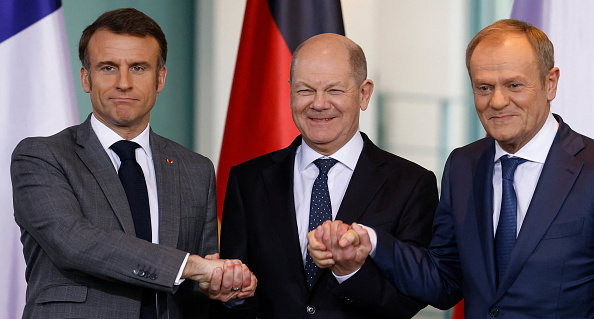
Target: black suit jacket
<point>259,227</point>
<point>551,270</point>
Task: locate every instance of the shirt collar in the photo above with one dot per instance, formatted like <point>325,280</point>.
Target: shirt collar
<point>537,149</point>
<point>107,136</point>
<point>348,155</point>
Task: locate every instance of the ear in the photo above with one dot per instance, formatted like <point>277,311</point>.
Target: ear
<point>365,91</point>
<point>551,83</point>
<point>84,80</point>
<point>161,79</point>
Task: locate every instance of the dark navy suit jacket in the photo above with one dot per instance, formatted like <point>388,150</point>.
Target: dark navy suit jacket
<point>551,271</point>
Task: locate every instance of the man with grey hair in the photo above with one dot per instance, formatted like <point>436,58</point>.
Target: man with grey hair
<point>331,171</point>
<point>514,229</point>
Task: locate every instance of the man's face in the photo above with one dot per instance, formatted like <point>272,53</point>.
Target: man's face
<point>510,99</point>
<point>124,82</point>
<point>325,98</point>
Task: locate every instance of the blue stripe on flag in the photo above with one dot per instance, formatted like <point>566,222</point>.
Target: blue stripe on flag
<point>17,15</point>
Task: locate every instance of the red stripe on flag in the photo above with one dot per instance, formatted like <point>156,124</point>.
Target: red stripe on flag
<point>458,312</point>
<point>259,116</point>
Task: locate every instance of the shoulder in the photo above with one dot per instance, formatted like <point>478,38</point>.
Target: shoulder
<point>282,156</point>
<point>62,142</point>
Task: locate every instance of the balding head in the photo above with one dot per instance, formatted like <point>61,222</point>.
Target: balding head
<point>328,90</point>
<point>331,43</point>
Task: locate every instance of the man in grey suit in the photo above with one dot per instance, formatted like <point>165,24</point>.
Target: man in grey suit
<point>81,236</point>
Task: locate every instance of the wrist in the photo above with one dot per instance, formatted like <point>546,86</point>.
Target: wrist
<point>194,269</point>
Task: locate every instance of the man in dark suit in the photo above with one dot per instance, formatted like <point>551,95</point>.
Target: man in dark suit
<point>94,250</point>
<point>513,244</point>
<point>268,205</point>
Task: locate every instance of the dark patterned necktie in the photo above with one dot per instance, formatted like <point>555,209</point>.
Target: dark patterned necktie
<point>320,209</point>
<point>132,178</point>
<point>505,238</point>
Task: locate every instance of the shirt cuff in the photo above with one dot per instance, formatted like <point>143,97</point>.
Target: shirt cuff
<point>178,279</point>
<point>342,279</point>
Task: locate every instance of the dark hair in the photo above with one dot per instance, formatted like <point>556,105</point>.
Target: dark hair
<point>541,45</point>
<point>123,21</point>
<point>357,60</point>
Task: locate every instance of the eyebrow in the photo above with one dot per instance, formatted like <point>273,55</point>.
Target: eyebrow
<point>139,63</point>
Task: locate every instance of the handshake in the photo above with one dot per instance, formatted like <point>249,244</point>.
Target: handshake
<point>341,247</point>
<point>221,279</point>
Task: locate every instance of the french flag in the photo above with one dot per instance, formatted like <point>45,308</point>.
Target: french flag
<point>36,98</point>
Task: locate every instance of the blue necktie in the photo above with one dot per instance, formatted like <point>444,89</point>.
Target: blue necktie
<point>505,238</point>
<point>320,209</point>
<point>132,178</point>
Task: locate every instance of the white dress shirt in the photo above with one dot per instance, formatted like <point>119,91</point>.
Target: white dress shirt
<point>306,172</point>
<point>527,174</point>
<point>144,157</point>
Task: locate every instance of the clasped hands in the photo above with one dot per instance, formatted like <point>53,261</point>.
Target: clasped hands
<point>221,279</point>
<point>341,247</point>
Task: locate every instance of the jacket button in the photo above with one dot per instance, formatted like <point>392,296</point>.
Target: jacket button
<point>311,310</point>
<point>136,271</point>
<point>493,312</point>
<point>153,276</point>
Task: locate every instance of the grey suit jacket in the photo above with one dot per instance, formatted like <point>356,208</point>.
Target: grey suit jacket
<point>83,258</point>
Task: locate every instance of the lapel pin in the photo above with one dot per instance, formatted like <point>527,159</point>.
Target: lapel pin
<point>170,161</point>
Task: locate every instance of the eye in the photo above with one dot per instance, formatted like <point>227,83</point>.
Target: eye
<point>305,92</point>
<point>515,86</point>
<point>137,68</point>
<point>483,89</point>
<point>336,91</point>
<point>108,68</point>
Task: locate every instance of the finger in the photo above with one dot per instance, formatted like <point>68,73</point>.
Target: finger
<point>250,290</point>
<point>362,234</point>
<point>213,256</point>
<point>215,282</point>
<point>326,240</point>
<point>341,229</point>
<point>247,276</point>
<point>349,238</point>
<point>228,274</point>
<point>322,258</point>
<point>313,241</point>
<point>237,276</point>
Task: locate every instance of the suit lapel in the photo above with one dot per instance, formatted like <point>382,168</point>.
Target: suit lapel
<point>368,178</point>
<point>96,160</point>
<point>558,175</point>
<point>483,205</point>
<point>167,174</point>
<point>278,182</point>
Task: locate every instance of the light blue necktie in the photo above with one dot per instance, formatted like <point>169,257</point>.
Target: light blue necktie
<point>505,238</point>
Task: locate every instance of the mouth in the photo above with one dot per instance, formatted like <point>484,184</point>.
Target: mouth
<point>122,99</point>
<point>321,120</point>
<point>502,117</point>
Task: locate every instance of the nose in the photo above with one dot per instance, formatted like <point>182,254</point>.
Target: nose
<point>123,81</point>
<point>499,99</point>
<point>320,102</point>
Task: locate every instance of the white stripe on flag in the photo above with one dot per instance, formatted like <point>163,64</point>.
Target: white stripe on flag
<point>37,98</point>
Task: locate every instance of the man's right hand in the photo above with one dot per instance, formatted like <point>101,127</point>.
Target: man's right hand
<point>338,246</point>
<point>221,279</point>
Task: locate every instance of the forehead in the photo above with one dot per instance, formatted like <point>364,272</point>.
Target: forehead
<point>107,45</point>
<point>503,52</point>
<point>323,58</point>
